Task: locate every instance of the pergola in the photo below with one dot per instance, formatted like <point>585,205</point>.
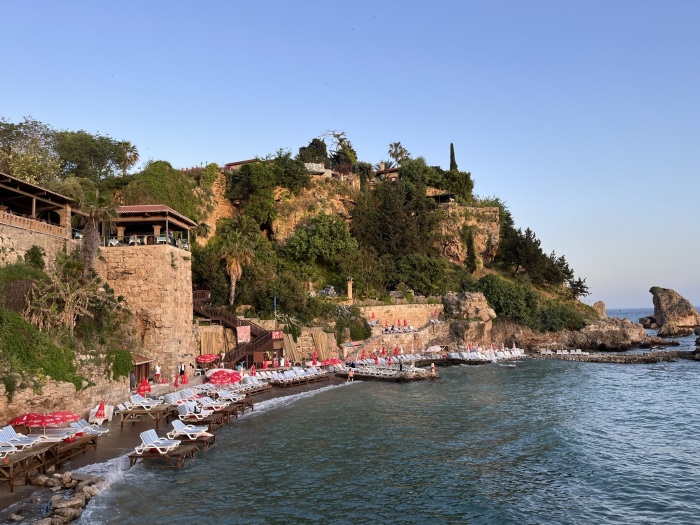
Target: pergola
<point>149,224</point>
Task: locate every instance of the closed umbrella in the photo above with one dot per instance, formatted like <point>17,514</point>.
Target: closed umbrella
<point>143,388</point>
<point>100,414</point>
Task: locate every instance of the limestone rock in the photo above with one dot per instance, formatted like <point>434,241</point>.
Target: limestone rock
<point>612,334</point>
<point>673,313</point>
<point>470,306</point>
<point>599,307</point>
<point>649,322</point>
<point>72,513</point>
<point>76,501</point>
<point>15,518</point>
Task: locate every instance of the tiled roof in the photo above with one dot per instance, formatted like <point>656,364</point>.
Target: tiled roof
<point>152,208</point>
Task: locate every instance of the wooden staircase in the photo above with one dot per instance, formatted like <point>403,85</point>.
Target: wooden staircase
<point>260,339</point>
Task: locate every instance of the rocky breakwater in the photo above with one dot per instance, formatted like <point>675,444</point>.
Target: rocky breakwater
<point>674,315</point>
<point>73,492</point>
<point>472,317</point>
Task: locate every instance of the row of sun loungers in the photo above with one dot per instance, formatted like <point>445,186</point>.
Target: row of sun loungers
<point>12,441</point>
<point>577,351</point>
<point>488,356</point>
<point>297,375</point>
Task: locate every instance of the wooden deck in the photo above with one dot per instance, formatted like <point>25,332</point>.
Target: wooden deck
<point>202,443</point>
<point>42,456</point>
<point>173,459</point>
<point>140,414</point>
<point>213,422</point>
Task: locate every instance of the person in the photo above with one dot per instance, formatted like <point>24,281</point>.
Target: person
<point>132,380</point>
<point>157,374</point>
<point>351,376</point>
<point>223,356</point>
<point>432,369</point>
<point>400,366</point>
<point>181,370</point>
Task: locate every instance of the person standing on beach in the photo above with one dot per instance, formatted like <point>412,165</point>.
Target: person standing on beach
<point>351,376</point>
<point>132,380</point>
<point>181,370</point>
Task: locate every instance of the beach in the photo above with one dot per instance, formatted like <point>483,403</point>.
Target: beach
<point>120,441</point>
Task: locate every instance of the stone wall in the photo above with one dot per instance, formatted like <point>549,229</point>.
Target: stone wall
<point>20,234</point>
<point>156,283</point>
<point>416,315</point>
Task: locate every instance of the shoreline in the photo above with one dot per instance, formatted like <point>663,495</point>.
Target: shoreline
<point>121,441</point>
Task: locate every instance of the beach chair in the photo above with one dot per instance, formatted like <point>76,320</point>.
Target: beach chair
<point>139,401</point>
<point>151,441</point>
<point>16,438</point>
<point>86,427</point>
<point>210,404</point>
<point>190,411</point>
<point>19,443</point>
<point>7,448</point>
<point>190,431</point>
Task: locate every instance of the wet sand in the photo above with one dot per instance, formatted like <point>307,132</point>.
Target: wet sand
<point>120,441</point>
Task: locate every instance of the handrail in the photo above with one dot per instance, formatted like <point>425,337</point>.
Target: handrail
<point>262,338</point>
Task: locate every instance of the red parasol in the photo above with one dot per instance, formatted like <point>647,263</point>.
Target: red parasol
<point>389,361</point>
<point>364,354</point>
<point>396,351</point>
<point>64,416</point>
<point>404,322</point>
<point>376,359</point>
<point>224,377</point>
<point>144,387</point>
<point>372,315</point>
<point>33,419</point>
<point>207,358</point>
<point>264,364</point>
<point>252,370</point>
<point>100,414</point>
<point>383,351</point>
<point>315,356</point>
<point>386,323</point>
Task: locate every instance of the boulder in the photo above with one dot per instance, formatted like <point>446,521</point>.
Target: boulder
<point>599,307</point>
<point>649,322</point>
<point>675,315</point>
<point>609,335</point>
<point>468,306</point>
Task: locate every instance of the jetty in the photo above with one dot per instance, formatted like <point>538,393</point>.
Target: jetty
<point>379,373</point>
<point>618,358</point>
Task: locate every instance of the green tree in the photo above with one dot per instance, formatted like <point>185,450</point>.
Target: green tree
<point>422,273</point>
<point>160,183</point>
<point>129,155</point>
<point>321,240</point>
<point>365,172</point>
<point>209,273</point>
<point>316,152</point>
<point>236,241</point>
<point>93,157</point>
<point>460,183</point>
<point>453,161</point>
<point>398,153</point>
<point>28,151</point>
<point>290,172</point>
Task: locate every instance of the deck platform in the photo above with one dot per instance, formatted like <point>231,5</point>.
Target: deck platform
<point>213,422</point>
<point>202,443</point>
<point>173,459</point>
<point>140,414</point>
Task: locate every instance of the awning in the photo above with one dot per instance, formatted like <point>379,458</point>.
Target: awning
<point>140,359</point>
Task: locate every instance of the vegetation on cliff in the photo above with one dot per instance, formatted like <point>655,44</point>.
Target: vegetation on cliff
<point>382,231</point>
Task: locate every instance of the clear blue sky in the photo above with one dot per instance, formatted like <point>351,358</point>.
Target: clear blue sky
<point>582,116</point>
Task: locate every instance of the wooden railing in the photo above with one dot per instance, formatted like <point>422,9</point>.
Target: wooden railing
<point>261,339</point>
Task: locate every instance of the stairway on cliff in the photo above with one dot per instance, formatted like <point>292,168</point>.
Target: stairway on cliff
<point>260,339</point>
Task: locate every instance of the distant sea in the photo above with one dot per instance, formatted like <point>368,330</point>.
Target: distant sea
<point>536,442</point>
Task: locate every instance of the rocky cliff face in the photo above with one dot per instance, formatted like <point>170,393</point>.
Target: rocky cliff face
<point>485,226</point>
<point>673,314</point>
<point>471,315</point>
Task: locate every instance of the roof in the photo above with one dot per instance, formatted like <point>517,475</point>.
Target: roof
<point>388,170</point>
<point>28,187</point>
<point>144,209</point>
<point>140,359</point>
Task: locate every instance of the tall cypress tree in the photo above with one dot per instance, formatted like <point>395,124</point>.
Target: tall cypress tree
<point>453,162</point>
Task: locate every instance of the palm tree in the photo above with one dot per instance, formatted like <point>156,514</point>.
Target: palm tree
<point>201,232</point>
<point>94,209</point>
<point>388,164</point>
<point>131,155</point>
<point>398,152</point>
<point>237,241</point>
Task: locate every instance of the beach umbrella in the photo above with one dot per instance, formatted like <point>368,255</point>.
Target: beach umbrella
<point>364,354</point>
<point>64,416</point>
<point>435,349</point>
<point>396,350</point>
<point>207,358</point>
<point>405,323</point>
<point>100,414</point>
<point>376,359</point>
<point>252,370</point>
<point>389,361</point>
<point>386,323</point>
<point>34,419</point>
<point>144,387</point>
<point>264,364</point>
<point>224,377</point>
<point>372,315</point>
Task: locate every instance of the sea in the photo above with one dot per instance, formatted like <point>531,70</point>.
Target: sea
<point>530,442</point>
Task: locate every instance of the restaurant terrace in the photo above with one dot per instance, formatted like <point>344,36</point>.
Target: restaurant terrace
<point>148,224</point>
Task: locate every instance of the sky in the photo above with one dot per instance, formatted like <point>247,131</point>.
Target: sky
<point>583,117</point>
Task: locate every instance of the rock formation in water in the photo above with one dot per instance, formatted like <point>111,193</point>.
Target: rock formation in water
<point>674,314</point>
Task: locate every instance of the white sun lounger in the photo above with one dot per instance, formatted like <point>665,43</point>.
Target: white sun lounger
<point>190,431</point>
<point>150,440</point>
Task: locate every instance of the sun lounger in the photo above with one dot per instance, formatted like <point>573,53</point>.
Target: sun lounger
<point>18,443</point>
<point>190,431</point>
<point>16,439</point>
<point>54,434</point>
<point>83,426</point>
<point>192,411</point>
<point>210,404</point>
<point>151,441</point>
<point>143,402</point>
<point>7,448</point>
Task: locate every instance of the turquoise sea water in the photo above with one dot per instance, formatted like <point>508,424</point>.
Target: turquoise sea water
<point>541,442</point>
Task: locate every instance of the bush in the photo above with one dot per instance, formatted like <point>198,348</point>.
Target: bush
<point>34,256</point>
